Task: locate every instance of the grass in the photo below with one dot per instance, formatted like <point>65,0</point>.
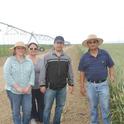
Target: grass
<point>4,50</point>
<point>117,88</point>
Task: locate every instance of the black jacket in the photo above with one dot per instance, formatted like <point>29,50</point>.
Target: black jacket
<point>58,71</point>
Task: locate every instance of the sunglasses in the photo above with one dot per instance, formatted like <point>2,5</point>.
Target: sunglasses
<point>33,48</point>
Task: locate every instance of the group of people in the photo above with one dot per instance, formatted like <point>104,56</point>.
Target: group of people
<point>33,83</point>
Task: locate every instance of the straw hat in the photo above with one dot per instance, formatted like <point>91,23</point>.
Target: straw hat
<point>92,37</point>
<point>18,44</point>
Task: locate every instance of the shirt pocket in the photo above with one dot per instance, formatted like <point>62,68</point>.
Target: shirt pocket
<point>103,63</point>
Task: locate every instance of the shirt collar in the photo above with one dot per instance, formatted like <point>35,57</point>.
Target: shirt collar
<point>99,52</point>
<point>54,53</point>
<point>14,57</point>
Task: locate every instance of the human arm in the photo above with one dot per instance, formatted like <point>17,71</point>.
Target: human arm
<point>110,64</point>
<point>70,78</point>
<point>27,89</point>
<point>8,75</point>
<point>82,69</point>
<point>82,83</point>
<point>111,73</point>
<point>42,76</point>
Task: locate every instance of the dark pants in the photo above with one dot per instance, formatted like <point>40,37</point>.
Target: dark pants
<point>37,105</point>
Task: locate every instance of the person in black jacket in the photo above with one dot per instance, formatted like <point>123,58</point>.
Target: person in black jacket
<point>55,75</point>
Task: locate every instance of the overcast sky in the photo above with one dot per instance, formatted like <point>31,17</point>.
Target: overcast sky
<point>73,19</point>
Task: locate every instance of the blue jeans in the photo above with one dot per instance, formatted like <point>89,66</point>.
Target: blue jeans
<point>20,103</point>
<point>60,96</point>
<point>99,93</point>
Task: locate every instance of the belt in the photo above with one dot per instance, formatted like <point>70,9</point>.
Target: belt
<point>97,81</point>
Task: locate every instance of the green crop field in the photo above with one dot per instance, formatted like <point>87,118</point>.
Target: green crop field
<point>5,51</point>
<point>117,87</point>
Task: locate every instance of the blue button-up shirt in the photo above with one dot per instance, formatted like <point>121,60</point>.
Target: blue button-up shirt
<point>21,73</point>
<point>95,68</point>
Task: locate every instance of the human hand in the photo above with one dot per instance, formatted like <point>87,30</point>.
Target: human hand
<point>83,90</point>
<point>17,87</point>
<point>26,90</point>
<point>112,78</point>
<point>71,89</point>
<point>43,89</point>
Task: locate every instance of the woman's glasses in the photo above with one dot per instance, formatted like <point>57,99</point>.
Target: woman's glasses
<point>33,48</point>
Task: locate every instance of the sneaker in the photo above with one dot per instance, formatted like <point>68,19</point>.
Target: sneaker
<point>33,121</point>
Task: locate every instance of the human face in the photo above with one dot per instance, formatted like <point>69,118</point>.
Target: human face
<point>92,44</point>
<point>58,46</point>
<point>20,51</point>
<point>33,49</point>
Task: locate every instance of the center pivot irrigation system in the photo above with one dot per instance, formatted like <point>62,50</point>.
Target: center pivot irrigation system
<point>12,30</point>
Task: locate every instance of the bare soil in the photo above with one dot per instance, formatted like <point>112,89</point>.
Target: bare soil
<point>76,109</point>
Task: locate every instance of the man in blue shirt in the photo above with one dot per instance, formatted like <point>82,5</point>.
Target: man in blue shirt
<point>94,67</point>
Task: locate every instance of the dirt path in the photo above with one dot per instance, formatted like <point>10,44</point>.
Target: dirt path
<point>76,109</point>
<point>2,82</point>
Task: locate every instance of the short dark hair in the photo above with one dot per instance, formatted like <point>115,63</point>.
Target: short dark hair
<point>32,43</point>
<point>59,39</point>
